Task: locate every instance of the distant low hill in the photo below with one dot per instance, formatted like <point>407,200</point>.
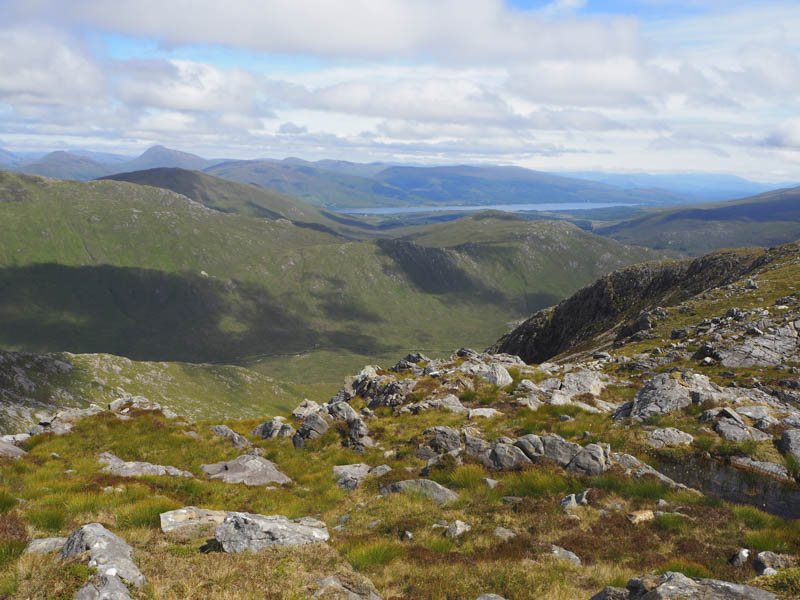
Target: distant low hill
<point>236,198</point>
<point>138,271</point>
<point>65,165</point>
<point>764,220</point>
<point>707,187</point>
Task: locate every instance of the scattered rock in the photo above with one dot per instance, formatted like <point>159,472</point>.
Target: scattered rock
<point>236,439</point>
<point>457,529</point>
<point>790,443</point>
<point>771,560</point>
<point>592,459</point>
<point>641,516</point>
<point>563,554</point>
<point>245,531</point>
<point>674,586</point>
<point>246,469</point>
<point>10,450</point>
<point>349,590</point>
<point>424,487</point>
<point>484,413</point>
<point>496,375</point>
<point>503,533</point>
<point>349,476</point>
<point>504,457</point>
<point>121,468</point>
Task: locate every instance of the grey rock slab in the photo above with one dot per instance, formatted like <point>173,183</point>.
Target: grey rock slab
<point>754,412</point>
<point>109,554</point>
<point>10,450</point>
<point>564,554</point>
<point>496,375</point>
<point>660,396</point>
<point>732,431</point>
<point>424,487</point>
<point>489,597</point>
<point>246,469</point>
<point>582,382</point>
<point>790,443</point>
<point>484,413</point>
<point>104,588</point>
<point>612,593</point>
<point>272,429</point>
<point>674,586</point>
<point>669,437</point>
<point>121,468</point>
<point>349,476</point>
<point>503,533</point>
<point>504,457</point>
<point>237,440</point>
<point>46,545</point>
<point>350,591</point>
<point>439,440</point>
<point>245,531</point>
<point>475,446</point>
<point>191,521</point>
<point>769,468</point>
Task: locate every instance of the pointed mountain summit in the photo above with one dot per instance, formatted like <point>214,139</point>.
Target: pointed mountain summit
<point>160,156</point>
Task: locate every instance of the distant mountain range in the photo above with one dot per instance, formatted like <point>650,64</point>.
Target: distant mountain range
<point>342,185</point>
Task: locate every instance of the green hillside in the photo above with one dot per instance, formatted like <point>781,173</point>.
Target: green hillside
<point>764,220</point>
<point>146,273</point>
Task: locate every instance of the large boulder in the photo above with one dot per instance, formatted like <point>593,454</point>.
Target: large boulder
<point>558,449</point>
<point>582,382</point>
<point>333,587</point>
<point>424,487</point>
<point>46,545</point>
<point>109,554</point>
<point>305,409</point>
<point>660,396</point>
<point>531,445</point>
<point>245,531</point>
<point>504,457</point>
<point>246,469</point>
<point>349,476</point>
<point>592,459</point>
<point>313,427</point>
<point>496,375</point>
<point>439,440</point>
<point>121,468</point>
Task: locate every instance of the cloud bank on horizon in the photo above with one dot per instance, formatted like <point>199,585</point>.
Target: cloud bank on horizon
<point>653,85</point>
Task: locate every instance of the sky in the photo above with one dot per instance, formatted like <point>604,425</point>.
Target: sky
<point>658,86</point>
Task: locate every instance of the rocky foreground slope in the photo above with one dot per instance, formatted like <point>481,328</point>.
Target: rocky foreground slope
<point>661,464</point>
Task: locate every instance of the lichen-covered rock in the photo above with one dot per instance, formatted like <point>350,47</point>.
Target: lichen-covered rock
<point>439,440</point>
<point>668,436</point>
<point>349,476</point>
<point>109,554</point>
<point>592,459</point>
<point>558,449</point>
<point>245,531</point>
<point>564,554</point>
<point>10,450</point>
<point>305,409</point>
<point>246,469</point>
<point>348,590</point>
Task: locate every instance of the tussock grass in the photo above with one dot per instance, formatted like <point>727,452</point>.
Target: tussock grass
<point>689,569</point>
<point>540,482</point>
<point>372,554</point>
<point>7,501</point>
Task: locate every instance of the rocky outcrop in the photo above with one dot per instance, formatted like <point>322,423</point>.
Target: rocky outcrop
<point>615,298</point>
<point>668,437</point>
<point>313,427</point>
<point>247,469</point>
<point>46,545</point>
<point>117,466</point>
<point>240,532</point>
<point>676,586</point>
